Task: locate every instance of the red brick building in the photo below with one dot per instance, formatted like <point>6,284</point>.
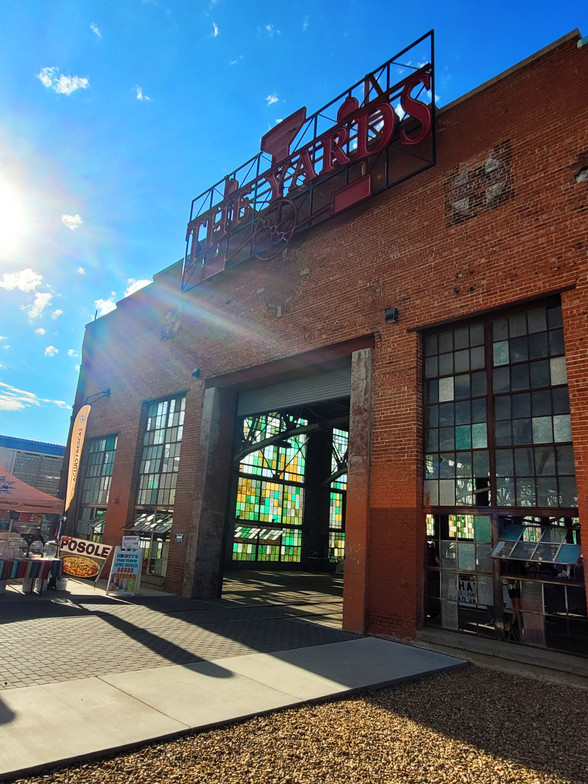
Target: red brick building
<point>413,371</point>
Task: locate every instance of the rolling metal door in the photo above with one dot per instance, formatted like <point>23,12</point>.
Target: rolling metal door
<point>297,391</point>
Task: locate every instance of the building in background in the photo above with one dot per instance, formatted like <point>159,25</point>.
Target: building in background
<point>374,355</point>
<point>37,463</point>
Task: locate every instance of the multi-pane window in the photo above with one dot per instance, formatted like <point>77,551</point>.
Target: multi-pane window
<point>457,464</point>
<point>498,440</point>
<point>459,588</point>
<point>160,456</point>
<point>533,434</point>
<point>509,371</point>
<point>98,471</point>
<point>270,494</point>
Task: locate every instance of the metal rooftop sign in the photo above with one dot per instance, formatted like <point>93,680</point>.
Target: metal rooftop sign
<point>373,136</point>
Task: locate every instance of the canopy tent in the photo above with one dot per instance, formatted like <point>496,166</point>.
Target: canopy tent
<point>17,496</point>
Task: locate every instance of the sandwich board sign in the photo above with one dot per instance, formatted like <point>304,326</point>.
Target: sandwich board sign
<point>125,572</point>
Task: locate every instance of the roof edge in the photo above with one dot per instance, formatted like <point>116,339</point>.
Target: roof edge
<point>575,34</point>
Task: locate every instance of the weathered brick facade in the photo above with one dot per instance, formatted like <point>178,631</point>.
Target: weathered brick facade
<point>500,219</point>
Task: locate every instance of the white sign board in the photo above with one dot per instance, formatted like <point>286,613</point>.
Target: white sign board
<point>130,543</point>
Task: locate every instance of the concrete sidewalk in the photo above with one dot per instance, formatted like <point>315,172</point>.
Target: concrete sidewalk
<point>51,723</point>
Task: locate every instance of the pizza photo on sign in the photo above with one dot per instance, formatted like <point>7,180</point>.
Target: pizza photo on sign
<point>80,566</point>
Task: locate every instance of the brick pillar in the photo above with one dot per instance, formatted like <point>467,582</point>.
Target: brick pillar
<point>575,320</point>
<point>204,558</point>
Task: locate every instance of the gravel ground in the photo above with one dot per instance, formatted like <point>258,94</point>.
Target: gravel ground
<point>468,726</point>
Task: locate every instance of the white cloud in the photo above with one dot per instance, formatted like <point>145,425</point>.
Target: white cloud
<point>305,24</point>
<point>81,271</point>
<point>51,351</point>
<point>271,30</point>
<point>135,285</point>
<point>64,85</point>
<point>47,75</point>
<point>67,85</point>
<point>40,331</point>
<point>3,337</point>
<point>13,399</point>
<point>271,99</point>
<point>141,96</point>
<point>215,30</point>
<point>6,347</point>
<point>94,28</point>
<point>104,306</point>
<point>56,314</point>
<point>71,353</point>
<point>72,222</point>
<point>42,300</point>
<point>25,280</point>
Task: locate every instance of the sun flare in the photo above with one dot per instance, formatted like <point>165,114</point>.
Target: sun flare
<point>13,218</point>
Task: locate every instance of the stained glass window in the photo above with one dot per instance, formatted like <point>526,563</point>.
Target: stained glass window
<point>338,490</point>
<point>336,545</point>
<point>270,490</point>
<point>336,510</point>
<point>461,526</point>
<point>269,502</point>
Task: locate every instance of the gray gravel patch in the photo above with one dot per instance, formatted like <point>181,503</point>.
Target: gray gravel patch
<point>461,727</point>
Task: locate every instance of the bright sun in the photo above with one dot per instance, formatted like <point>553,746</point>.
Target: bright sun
<point>12,218</point>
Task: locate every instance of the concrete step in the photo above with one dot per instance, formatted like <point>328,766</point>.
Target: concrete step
<point>525,660</point>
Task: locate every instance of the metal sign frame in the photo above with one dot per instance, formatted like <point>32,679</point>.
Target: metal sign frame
<point>373,136</point>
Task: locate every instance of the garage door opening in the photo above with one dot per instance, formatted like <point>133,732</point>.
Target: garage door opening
<point>287,465</point>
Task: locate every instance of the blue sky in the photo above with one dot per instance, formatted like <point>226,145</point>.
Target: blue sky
<point>115,114</point>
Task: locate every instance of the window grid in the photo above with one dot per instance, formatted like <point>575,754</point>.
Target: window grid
<point>534,457</point>
<point>497,422</point>
<point>459,574</point>
<point>98,470</point>
<point>498,436</point>
<point>160,456</point>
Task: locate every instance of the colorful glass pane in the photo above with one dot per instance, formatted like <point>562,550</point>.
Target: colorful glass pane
<point>336,546</point>
<point>461,526</point>
<point>336,510</point>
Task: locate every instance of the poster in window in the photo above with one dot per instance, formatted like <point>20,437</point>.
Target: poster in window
<point>466,590</point>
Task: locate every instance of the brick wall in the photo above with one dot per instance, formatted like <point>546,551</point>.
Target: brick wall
<point>499,219</point>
